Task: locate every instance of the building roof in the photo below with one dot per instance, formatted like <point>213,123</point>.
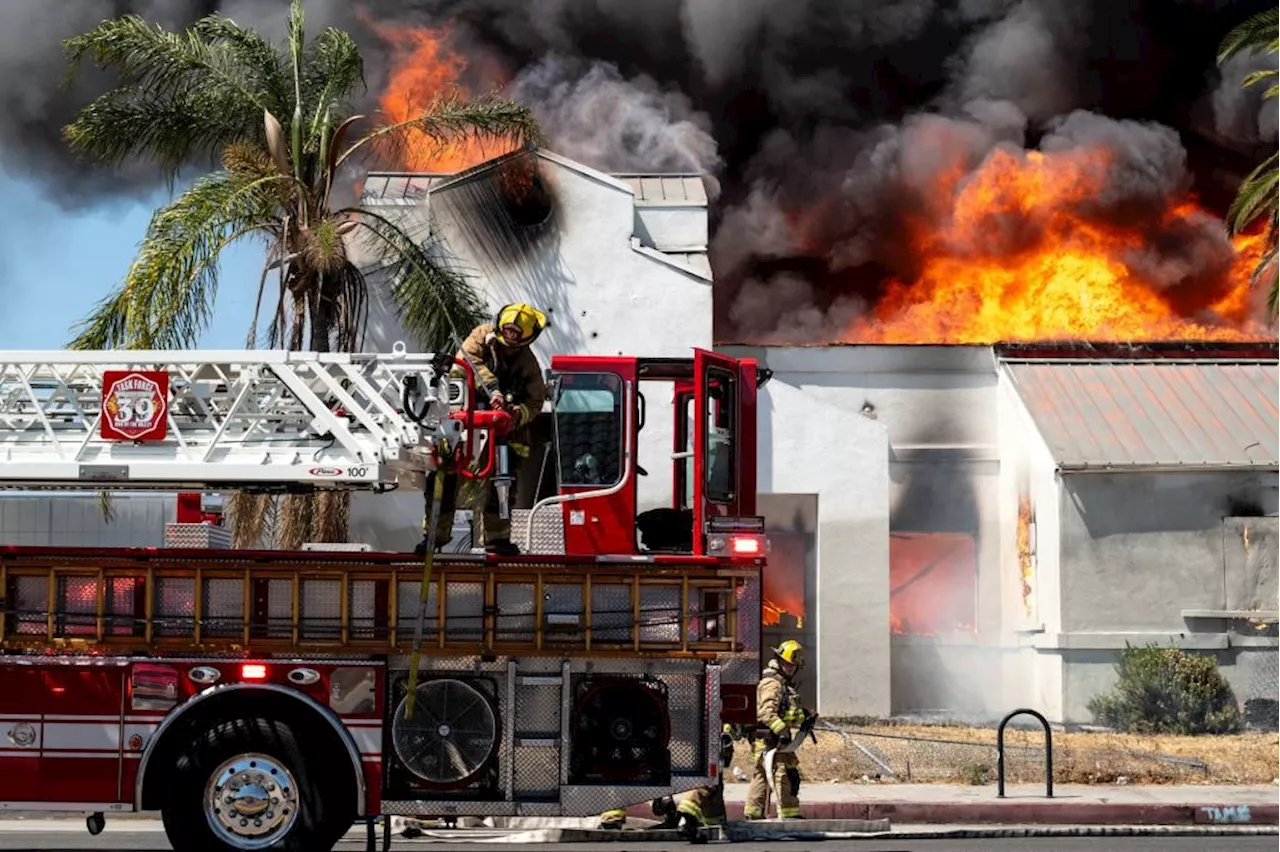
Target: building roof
<point>667,190</point>
<point>1153,414</point>
<point>408,188</point>
<point>399,188</point>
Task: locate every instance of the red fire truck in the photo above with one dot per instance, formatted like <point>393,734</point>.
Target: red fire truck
<point>269,699</point>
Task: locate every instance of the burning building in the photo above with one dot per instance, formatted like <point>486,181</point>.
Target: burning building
<point>994,522</point>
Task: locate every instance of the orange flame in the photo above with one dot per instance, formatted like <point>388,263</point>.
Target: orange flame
<point>1058,275</point>
<point>932,583</point>
<point>783,596</point>
<point>424,68</point>
<point>1025,551</point>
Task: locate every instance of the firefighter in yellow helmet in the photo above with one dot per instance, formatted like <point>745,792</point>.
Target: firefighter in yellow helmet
<point>510,379</point>
<point>778,709</point>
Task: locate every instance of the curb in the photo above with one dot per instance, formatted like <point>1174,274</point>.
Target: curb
<point>738,832</point>
<point>1059,812</point>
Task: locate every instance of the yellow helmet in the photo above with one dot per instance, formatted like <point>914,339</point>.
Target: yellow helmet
<point>527,320</point>
<point>790,652</point>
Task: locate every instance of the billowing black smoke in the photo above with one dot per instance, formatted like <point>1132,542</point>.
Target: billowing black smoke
<point>842,112</point>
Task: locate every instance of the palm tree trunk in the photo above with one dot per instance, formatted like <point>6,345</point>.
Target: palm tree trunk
<point>321,316</point>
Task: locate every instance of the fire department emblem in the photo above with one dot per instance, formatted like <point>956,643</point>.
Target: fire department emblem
<point>135,405</point>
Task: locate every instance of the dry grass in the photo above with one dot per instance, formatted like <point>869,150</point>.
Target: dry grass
<point>964,755</point>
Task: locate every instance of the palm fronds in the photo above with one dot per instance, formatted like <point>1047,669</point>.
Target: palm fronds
<point>167,296</point>
<point>1257,32</point>
<point>448,120</point>
<point>1257,195</point>
<point>436,303</point>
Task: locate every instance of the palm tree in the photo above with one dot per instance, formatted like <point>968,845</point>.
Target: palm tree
<point>1257,193</point>
<point>280,122</point>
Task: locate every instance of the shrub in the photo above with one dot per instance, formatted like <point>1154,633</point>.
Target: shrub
<point>1167,691</point>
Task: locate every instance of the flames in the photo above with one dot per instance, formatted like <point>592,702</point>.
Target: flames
<point>425,67</point>
<point>1020,249</point>
<point>933,583</point>
<point>1026,552</point>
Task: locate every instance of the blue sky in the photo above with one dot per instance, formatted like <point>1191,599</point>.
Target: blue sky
<point>55,265</point>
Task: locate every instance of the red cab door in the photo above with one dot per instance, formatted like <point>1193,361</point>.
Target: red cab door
<point>717,461</point>
<point>596,412</point>
<point>21,728</point>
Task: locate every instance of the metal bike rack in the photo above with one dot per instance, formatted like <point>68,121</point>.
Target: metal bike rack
<point>1048,751</point>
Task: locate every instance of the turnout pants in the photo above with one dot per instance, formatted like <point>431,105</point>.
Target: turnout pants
<point>457,490</point>
<point>705,804</point>
<point>786,780</point>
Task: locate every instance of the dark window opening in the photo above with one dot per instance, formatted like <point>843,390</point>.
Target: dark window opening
<point>720,462</point>
<point>523,191</point>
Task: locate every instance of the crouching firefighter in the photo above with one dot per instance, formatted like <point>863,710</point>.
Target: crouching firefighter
<point>509,379</point>
<point>705,805</point>
<point>778,708</point>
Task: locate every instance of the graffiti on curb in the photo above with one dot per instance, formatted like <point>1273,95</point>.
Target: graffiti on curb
<point>1228,814</point>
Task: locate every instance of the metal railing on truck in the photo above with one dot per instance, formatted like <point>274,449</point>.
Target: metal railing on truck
<point>153,602</point>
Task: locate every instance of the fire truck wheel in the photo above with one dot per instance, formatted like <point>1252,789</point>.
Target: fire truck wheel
<point>244,784</point>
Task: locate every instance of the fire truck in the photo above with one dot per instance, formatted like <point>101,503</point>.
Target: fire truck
<point>270,699</point>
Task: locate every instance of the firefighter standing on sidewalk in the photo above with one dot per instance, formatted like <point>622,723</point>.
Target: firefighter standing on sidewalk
<point>510,379</point>
<point>778,708</point>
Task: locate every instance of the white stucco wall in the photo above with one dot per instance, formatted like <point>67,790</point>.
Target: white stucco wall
<point>810,445</point>
<point>1033,676</point>
<point>928,434</point>
<point>605,292</point>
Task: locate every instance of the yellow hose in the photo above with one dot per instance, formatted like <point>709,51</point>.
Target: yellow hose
<point>428,562</point>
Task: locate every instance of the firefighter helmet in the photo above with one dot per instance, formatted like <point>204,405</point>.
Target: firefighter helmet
<point>525,322</point>
<point>790,652</point>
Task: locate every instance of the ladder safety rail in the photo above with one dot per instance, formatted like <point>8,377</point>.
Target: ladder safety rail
<point>260,419</point>
<point>222,604</point>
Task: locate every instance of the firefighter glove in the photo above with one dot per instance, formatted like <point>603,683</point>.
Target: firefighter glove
<point>726,748</point>
<point>784,738</point>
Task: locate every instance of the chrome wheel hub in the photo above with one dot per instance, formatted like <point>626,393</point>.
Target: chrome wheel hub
<point>251,801</point>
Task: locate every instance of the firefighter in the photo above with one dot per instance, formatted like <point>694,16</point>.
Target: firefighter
<point>705,805</point>
<point>778,708</point>
<point>509,379</point>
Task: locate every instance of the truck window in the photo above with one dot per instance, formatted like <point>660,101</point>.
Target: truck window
<point>589,428</point>
<point>720,466</point>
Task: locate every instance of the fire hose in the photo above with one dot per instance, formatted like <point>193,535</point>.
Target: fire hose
<point>428,564</point>
<point>804,731</point>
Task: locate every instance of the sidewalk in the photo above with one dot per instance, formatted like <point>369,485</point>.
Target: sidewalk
<point>1072,804</point>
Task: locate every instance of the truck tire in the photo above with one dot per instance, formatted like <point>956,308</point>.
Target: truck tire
<point>244,785</point>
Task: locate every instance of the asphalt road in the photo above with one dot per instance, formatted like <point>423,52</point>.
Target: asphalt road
<point>58,841</point>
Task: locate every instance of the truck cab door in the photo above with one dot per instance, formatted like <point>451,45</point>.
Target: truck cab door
<point>717,448</point>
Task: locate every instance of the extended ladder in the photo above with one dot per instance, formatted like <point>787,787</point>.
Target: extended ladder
<point>266,420</point>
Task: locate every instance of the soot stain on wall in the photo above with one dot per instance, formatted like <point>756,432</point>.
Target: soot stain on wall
<point>506,208</point>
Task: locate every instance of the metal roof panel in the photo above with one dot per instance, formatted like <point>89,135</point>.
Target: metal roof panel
<point>1159,413</point>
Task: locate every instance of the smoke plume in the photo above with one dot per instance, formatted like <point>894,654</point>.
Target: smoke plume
<point>842,139</point>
